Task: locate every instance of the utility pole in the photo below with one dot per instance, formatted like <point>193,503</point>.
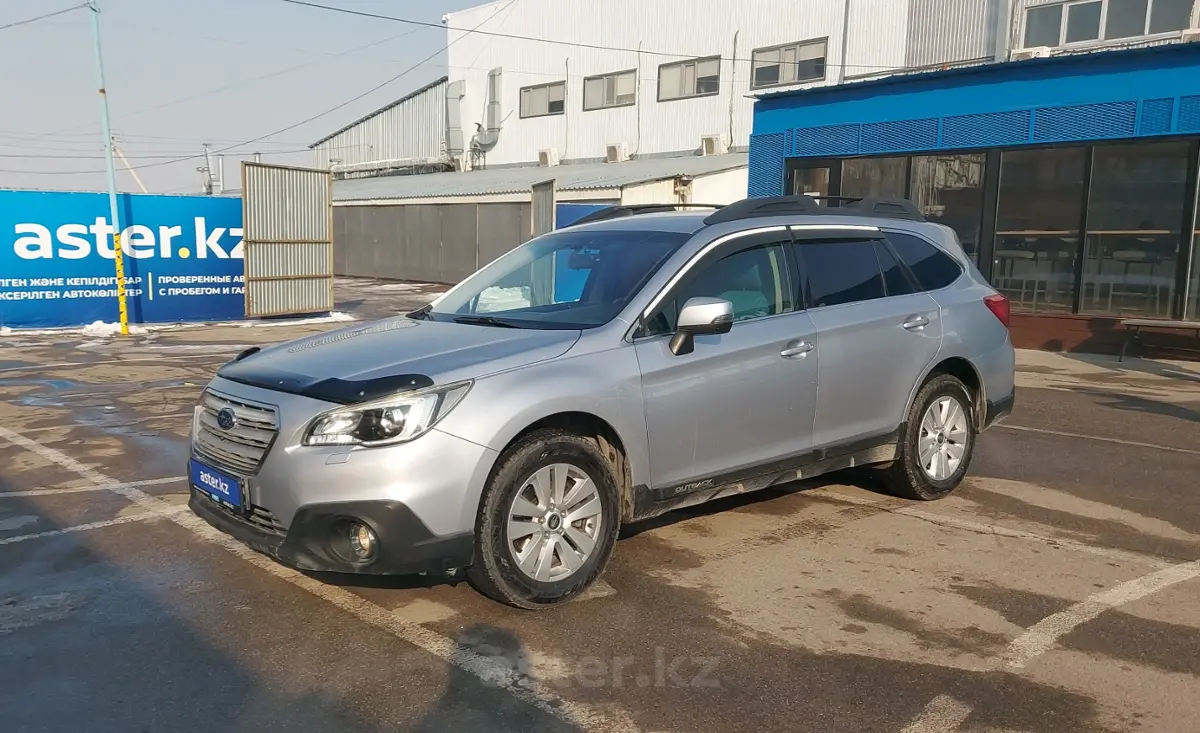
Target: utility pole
<point>131,169</point>
<point>208,175</point>
<point>118,257</point>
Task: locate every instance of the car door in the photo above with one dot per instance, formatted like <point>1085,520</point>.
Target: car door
<point>741,399</point>
<point>877,334</point>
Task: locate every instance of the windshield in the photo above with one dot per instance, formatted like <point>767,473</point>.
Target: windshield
<point>564,280</point>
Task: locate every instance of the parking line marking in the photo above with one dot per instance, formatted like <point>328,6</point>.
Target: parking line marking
<point>86,489</point>
<point>1042,636</point>
<point>1118,441</point>
<point>145,516</point>
<point>994,529</point>
<point>126,423</point>
<point>65,364</point>
<point>489,671</point>
<point>941,715</point>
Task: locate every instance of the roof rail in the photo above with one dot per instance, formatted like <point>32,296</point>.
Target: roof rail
<point>811,206</point>
<point>623,210</point>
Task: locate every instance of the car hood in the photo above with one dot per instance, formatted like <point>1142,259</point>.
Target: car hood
<point>372,360</point>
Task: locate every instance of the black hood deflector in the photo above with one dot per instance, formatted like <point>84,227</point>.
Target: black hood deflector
<point>339,391</point>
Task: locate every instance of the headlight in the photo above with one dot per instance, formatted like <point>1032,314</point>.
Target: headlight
<point>386,421</point>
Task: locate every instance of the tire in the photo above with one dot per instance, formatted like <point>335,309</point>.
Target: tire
<point>906,477</point>
<point>498,572</point>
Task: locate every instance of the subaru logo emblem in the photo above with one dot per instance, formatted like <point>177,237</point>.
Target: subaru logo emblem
<point>226,419</point>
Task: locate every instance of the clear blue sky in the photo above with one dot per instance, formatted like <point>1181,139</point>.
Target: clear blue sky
<point>160,53</point>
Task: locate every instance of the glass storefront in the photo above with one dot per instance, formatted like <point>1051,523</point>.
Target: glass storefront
<point>1136,205</point>
<point>874,177</point>
<point>1094,229</point>
<point>1038,214</point>
<point>949,190</point>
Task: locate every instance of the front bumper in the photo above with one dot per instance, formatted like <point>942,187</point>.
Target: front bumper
<point>406,546</point>
<point>421,498</point>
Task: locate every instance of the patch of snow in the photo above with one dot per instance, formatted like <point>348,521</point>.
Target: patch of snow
<point>496,299</point>
<point>100,329</point>
<point>335,317</point>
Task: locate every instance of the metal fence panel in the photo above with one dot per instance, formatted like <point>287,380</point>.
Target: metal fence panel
<point>501,228</point>
<point>287,218</point>
<point>460,241</point>
<point>543,200</point>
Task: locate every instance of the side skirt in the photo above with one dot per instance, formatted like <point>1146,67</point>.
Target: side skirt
<point>648,503</point>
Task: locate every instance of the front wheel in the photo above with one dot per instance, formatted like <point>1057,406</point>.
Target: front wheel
<point>938,442</point>
<point>548,521</point>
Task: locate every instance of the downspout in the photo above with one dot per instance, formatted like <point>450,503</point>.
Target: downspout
<point>845,40</point>
<point>455,146</point>
<point>732,84</point>
<point>637,99</point>
<point>566,109</point>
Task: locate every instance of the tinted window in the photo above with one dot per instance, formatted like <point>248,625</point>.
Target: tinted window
<point>934,268</point>
<point>754,280</point>
<point>841,272</point>
<point>894,276</point>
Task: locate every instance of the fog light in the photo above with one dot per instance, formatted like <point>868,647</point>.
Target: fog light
<point>362,541</point>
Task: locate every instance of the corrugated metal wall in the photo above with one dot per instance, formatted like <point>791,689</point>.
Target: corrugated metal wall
<point>945,31</point>
<point>413,130</point>
<point>287,222</point>
<point>441,243</point>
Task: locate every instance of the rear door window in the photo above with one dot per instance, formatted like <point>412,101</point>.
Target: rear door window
<point>841,271</point>
<point>894,277</point>
<point>933,268</point>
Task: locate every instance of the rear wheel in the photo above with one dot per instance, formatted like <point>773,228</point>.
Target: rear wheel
<point>548,521</point>
<point>938,442</point>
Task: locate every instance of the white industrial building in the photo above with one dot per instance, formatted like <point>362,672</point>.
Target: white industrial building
<point>565,81</point>
<point>632,93</point>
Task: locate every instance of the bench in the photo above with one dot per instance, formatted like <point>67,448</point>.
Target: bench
<point>1135,325</point>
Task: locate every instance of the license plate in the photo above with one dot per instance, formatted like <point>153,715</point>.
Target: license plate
<point>217,484</point>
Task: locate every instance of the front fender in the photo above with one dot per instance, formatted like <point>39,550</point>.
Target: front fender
<point>606,385</point>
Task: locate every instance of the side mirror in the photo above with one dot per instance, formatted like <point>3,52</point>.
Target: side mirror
<point>700,316</point>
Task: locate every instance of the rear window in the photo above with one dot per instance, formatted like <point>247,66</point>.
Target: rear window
<point>934,268</point>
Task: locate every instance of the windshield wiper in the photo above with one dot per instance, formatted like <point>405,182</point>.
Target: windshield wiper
<point>484,321</point>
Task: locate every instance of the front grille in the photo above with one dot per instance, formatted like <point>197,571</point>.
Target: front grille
<point>242,448</point>
<point>265,520</point>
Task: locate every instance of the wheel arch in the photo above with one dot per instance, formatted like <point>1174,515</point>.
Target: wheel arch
<point>963,370</point>
<point>596,428</point>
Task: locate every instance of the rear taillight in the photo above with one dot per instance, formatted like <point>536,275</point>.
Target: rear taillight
<point>998,305</point>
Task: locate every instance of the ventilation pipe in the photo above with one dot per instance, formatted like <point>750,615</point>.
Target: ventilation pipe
<point>455,145</point>
<point>486,139</point>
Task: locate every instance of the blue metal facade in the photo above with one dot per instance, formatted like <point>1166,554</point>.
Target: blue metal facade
<point>1142,93</point>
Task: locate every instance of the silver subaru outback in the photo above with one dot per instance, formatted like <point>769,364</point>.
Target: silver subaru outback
<point>639,361</point>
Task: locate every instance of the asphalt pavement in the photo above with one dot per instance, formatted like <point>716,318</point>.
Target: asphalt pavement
<point>1057,590</point>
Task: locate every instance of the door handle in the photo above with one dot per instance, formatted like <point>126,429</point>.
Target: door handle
<point>915,323</point>
<point>797,351</point>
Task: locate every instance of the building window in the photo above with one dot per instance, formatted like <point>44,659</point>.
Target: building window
<point>1136,205</point>
<point>1109,20</point>
<point>788,64</point>
<point>544,99</point>
<point>948,189</point>
<point>1037,227</point>
<point>874,177</point>
<point>610,90</point>
<point>695,78</point>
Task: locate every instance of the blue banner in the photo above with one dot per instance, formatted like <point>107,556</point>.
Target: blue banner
<point>182,255</point>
